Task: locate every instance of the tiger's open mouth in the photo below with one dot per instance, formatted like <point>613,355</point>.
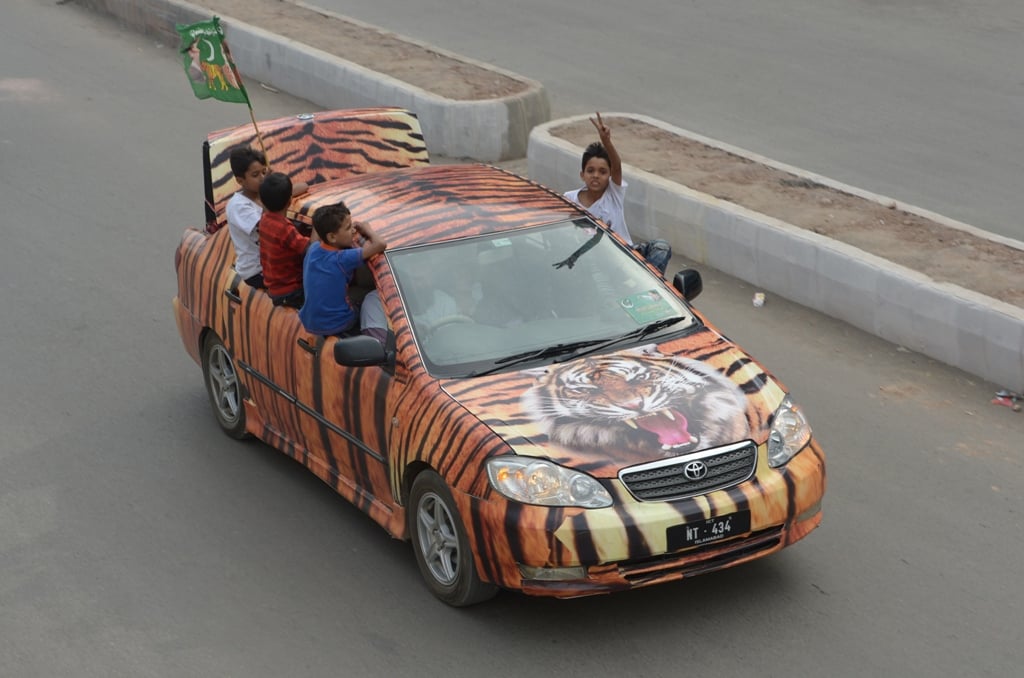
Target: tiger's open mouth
<point>669,425</point>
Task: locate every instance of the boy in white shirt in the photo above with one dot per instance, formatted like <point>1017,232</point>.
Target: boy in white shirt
<point>603,194</point>
<point>244,211</point>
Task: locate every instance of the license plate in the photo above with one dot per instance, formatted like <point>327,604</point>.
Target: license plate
<point>708,531</point>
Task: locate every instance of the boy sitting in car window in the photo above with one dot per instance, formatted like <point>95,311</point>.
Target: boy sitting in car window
<point>604,193</point>
<point>329,267</point>
<point>282,247</point>
<point>244,210</point>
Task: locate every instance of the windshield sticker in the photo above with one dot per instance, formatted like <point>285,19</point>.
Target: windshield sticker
<point>501,242</point>
<point>646,307</point>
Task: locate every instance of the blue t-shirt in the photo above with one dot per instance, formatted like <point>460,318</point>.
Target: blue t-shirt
<point>326,273</point>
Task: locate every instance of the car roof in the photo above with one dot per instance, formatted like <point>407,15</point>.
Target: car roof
<point>435,203</point>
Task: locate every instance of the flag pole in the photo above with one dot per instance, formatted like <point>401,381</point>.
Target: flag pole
<point>252,114</point>
<point>259,135</point>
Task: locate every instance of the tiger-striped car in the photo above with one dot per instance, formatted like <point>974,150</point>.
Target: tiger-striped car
<point>546,415</point>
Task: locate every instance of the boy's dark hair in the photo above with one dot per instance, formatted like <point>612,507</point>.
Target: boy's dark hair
<point>328,218</point>
<point>244,156</point>
<point>594,150</point>
<point>276,192</point>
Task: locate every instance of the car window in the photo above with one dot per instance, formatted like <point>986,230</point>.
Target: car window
<point>476,301</point>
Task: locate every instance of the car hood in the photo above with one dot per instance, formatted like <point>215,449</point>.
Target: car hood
<point>602,413</point>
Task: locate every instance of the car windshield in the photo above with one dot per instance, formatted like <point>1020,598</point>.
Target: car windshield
<point>530,297</point>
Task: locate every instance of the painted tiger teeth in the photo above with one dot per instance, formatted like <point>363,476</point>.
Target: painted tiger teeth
<point>668,413</point>
<point>632,424</point>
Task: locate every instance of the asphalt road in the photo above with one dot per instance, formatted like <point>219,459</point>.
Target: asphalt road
<point>136,540</point>
<point>920,100</point>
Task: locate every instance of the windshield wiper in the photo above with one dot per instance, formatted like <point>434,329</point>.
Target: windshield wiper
<point>576,348</point>
<point>537,354</point>
<point>636,335</point>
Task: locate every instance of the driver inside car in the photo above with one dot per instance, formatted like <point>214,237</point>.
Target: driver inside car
<point>439,291</point>
<point>505,302</point>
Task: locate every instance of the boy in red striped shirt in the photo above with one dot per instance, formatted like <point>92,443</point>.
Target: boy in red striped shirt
<point>282,247</point>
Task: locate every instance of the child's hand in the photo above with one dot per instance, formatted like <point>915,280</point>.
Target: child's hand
<point>364,231</point>
<point>603,130</point>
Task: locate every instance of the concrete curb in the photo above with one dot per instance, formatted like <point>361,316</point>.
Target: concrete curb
<point>488,130</point>
<point>971,331</point>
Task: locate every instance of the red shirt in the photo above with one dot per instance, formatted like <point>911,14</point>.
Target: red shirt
<point>281,252</point>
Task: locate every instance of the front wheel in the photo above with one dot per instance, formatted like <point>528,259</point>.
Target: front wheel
<point>441,544</point>
<point>223,388</point>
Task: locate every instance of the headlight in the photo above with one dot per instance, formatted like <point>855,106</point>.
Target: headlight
<point>790,434</point>
<point>538,481</point>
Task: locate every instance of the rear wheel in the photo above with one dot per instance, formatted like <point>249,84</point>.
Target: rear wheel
<point>223,388</point>
<point>441,544</point>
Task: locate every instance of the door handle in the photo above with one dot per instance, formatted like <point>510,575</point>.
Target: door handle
<point>232,291</point>
<point>308,347</point>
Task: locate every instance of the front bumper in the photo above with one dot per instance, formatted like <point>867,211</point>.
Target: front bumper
<point>626,546</point>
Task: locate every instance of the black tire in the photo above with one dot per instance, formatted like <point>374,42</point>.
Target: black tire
<point>441,546</point>
<point>222,386</point>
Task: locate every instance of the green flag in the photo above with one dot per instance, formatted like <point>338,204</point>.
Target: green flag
<point>208,62</point>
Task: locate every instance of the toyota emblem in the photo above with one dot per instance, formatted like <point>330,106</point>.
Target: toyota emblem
<point>695,470</point>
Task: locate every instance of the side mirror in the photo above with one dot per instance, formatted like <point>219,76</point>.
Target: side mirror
<point>364,351</point>
<point>689,283</point>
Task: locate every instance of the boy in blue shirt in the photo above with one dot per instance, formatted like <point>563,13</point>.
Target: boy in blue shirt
<point>329,266</point>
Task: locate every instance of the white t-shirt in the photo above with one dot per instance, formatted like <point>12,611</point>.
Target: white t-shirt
<point>243,216</point>
<point>441,306</point>
<point>608,208</point>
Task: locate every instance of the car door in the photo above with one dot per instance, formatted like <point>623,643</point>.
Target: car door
<point>346,426</point>
<point>348,414</point>
<point>262,338</point>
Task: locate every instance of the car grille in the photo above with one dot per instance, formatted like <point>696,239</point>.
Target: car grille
<point>667,479</point>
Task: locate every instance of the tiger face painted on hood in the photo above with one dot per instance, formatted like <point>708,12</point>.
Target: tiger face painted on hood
<point>641,401</point>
